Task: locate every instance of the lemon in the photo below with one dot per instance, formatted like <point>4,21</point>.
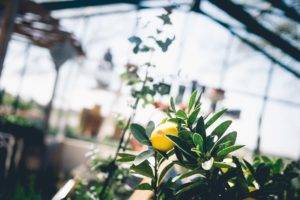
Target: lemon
<point>159,139</point>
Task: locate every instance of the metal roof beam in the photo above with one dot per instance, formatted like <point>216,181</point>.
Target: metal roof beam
<point>287,10</point>
<point>253,45</point>
<point>252,25</point>
<point>60,5</point>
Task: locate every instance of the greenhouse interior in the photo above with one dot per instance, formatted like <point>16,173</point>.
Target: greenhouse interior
<point>150,99</point>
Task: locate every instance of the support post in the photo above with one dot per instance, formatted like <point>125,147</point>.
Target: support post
<point>48,109</point>
<point>7,26</point>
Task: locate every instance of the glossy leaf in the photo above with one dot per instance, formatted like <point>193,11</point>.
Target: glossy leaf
<point>277,167</point>
<point>139,134</point>
<point>193,116</point>
<point>200,128</point>
<point>180,144</point>
<point>150,127</point>
<point>228,150</point>
<point>143,169</point>
<point>198,141</point>
<point>188,187</point>
<point>164,171</point>
<point>214,118</point>
<point>181,114</point>
<point>229,137</point>
<point>220,130</point>
<point>143,156</point>
<point>188,174</point>
<point>222,165</point>
<point>144,186</point>
<point>172,104</point>
<point>192,101</point>
<point>126,157</point>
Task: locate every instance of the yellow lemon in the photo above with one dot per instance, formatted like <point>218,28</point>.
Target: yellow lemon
<point>159,139</point>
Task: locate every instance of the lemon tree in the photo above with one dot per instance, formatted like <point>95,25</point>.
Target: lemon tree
<point>203,149</point>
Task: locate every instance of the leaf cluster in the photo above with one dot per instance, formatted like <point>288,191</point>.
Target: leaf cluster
<point>145,88</point>
<point>203,150</point>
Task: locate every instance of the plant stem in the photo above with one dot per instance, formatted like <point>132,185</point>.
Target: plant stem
<point>129,136</point>
<point>155,177</point>
<point>111,173</point>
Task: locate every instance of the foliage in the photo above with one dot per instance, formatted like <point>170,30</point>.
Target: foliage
<point>91,189</point>
<point>18,120</point>
<point>145,88</point>
<point>204,150</point>
<point>9,100</point>
<point>26,193</point>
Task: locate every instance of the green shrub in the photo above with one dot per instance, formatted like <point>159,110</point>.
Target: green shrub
<point>210,169</point>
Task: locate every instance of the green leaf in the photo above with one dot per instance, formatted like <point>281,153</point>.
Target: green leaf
<point>180,144</point>
<point>188,174</point>
<point>222,165</point>
<point>178,154</point>
<point>144,186</point>
<point>262,173</point>
<point>163,154</point>
<point>198,141</point>
<point>200,128</point>
<point>197,102</point>
<point>220,130</point>
<point>228,150</point>
<point>249,166</point>
<point>193,116</point>
<point>277,167</point>
<point>172,104</point>
<point>165,18</point>
<point>137,41</point>
<point>143,169</point>
<point>214,118</point>
<point>181,114</point>
<point>229,137</point>
<point>164,45</point>
<point>241,184</point>
<point>192,100</point>
<point>266,159</point>
<point>150,127</point>
<point>126,157</point>
<point>139,134</point>
<point>189,186</point>
<point>164,171</point>
<point>143,156</point>
<point>220,146</point>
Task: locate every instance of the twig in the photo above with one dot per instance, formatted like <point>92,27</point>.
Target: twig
<point>155,177</point>
<point>111,173</point>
